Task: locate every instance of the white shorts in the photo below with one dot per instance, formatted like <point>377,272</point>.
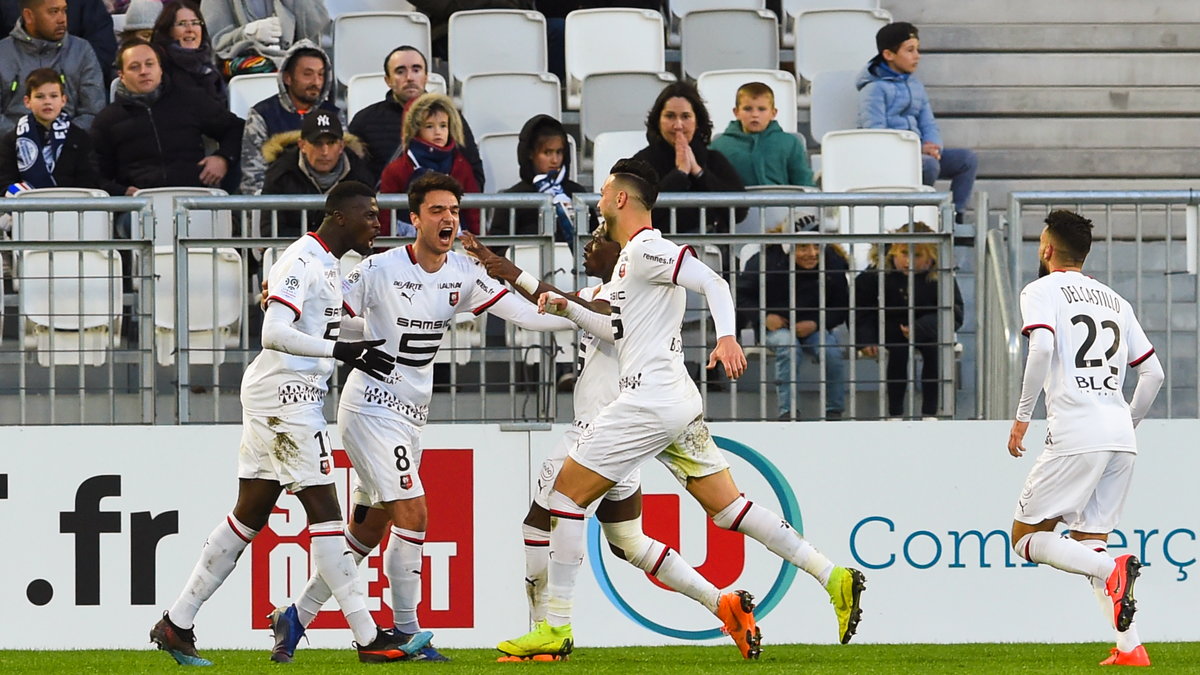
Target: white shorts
<point>386,454</point>
<point>624,489</point>
<point>628,432</point>
<point>293,451</point>
<point>1087,491</point>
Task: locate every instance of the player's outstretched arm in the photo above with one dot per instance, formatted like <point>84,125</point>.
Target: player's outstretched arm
<point>1150,379</point>
<point>280,333</point>
<point>595,323</point>
<point>527,316</point>
<point>503,269</point>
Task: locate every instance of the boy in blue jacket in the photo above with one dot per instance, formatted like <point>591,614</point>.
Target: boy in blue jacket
<point>757,147</point>
<point>889,97</point>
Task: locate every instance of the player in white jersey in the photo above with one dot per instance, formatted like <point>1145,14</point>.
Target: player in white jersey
<point>408,298</point>
<point>284,441</point>
<point>658,412</point>
<point>620,509</point>
<point>1082,339</point>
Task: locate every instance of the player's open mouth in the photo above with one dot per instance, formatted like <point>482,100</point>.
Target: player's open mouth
<point>446,235</point>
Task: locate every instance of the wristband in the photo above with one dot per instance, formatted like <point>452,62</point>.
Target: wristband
<point>526,282</point>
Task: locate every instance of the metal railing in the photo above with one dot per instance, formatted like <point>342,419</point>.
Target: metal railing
<point>998,366</point>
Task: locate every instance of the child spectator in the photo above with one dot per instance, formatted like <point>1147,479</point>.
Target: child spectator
<point>781,292</point>
<point>889,97</point>
<point>183,37</point>
<point>430,140</point>
<point>140,19</point>
<point>899,337</point>
<point>542,153</point>
<point>46,149</point>
<point>754,143</point>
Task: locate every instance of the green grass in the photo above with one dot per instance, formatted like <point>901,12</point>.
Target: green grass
<point>1171,657</point>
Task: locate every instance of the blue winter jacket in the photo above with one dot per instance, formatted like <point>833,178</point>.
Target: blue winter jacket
<point>891,100</point>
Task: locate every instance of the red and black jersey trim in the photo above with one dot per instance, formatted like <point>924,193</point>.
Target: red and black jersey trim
<point>411,540</point>
<point>1032,327</point>
<point>321,241</point>
<point>484,307</point>
<point>412,256</point>
<point>658,563</point>
<point>289,305</point>
<point>346,308</point>
<point>537,542</point>
<point>357,548</point>
<point>236,531</point>
<point>738,521</point>
<point>568,516</point>
<point>684,251</point>
<point>1138,361</point>
<point>644,229</point>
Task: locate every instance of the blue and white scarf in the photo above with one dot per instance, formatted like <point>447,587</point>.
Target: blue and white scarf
<point>551,184</point>
<point>38,148</point>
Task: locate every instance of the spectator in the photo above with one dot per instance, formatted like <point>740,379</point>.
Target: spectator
<point>152,134</point>
<point>889,97</point>
<point>430,141</point>
<point>305,83</point>
<point>757,147</point>
<point>899,338</point>
<point>678,130</point>
<point>46,149</point>
<point>40,40</point>
<point>87,19</point>
<point>254,36</point>
<point>140,19</point>
<point>310,162</point>
<point>766,285</point>
<point>406,72</point>
<point>181,34</point>
<point>545,160</point>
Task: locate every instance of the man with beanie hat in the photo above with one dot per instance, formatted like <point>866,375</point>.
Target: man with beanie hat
<point>889,97</point>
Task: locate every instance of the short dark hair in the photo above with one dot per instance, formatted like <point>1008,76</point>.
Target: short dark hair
<point>342,193</point>
<point>137,42</point>
<point>42,76</point>
<point>1072,234</point>
<point>405,48</point>
<point>30,4</point>
<point>684,90</point>
<point>640,177</point>
<point>431,181</point>
<point>303,51</point>
<point>891,36</point>
<point>166,22</point>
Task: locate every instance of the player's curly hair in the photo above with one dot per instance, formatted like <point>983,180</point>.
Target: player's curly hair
<point>684,90</point>
<point>1072,234</point>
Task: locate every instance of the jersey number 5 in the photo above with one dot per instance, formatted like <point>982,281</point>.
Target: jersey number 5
<point>1081,359</point>
<point>618,326</point>
<point>418,354</point>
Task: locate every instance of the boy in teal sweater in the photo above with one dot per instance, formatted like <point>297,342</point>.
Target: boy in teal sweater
<point>761,151</point>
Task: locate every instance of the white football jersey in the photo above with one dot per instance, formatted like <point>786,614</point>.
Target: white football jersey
<point>597,383</point>
<point>305,277</point>
<point>1096,339</point>
<point>411,309</point>
<point>647,312</point>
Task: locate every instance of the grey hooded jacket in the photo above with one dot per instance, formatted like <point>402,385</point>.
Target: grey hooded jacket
<point>299,19</point>
<point>73,57</point>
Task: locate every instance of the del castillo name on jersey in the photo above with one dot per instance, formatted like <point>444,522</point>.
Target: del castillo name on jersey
<point>1094,296</point>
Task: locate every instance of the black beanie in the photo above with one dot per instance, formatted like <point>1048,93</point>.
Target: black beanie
<point>891,36</point>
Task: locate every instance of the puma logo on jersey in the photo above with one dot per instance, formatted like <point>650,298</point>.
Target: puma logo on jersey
<point>407,296</point>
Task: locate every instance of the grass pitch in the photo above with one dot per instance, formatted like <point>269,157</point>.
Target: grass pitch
<point>1170,657</point>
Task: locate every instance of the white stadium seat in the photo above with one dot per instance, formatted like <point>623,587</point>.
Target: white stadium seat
<point>336,8</point>
<point>200,223</point>
<point>834,104</point>
<point>719,88</point>
<point>361,40</point>
<point>793,7</point>
<point>836,39</point>
<point>482,41</point>
<point>499,155</point>
<point>71,301</point>
<point>246,90</point>
<point>729,38</point>
<point>62,225</point>
<point>503,102</point>
<point>215,302</point>
<point>618,101</point>
<point>610,147</point>
<point>681,8</point>
<point>611,40</point>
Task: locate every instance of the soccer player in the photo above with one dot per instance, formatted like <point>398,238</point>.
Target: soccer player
<point>658,412</point>
<point>284,440</point>
<point>620,509</point>
<point>1082,338</point>
<point>407,297</point>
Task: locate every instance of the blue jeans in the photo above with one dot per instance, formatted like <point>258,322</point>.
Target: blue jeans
<point>958,165</point>
<point>784,342</point>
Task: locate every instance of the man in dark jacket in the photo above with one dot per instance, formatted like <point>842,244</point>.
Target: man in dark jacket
<point>152,135</point>
<point>378,125</point>
<point>770,289</point>
<point>87,19</point>
<point>310,162</point>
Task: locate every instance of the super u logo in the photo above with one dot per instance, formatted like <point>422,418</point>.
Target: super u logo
<point>727,560</point>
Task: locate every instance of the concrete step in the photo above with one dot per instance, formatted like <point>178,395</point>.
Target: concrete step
<point>1054,101</point>
<point>1068,70</point>
<point>924,12</point>
<point>1091,162</point>
<point>1062,37</point>
<point>1071,132</point>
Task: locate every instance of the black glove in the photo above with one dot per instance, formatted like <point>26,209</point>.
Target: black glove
<point>366,357</point>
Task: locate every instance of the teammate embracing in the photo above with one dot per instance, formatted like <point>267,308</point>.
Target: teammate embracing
<point>1082,339</point>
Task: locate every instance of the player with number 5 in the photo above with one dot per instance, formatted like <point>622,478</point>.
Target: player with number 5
<point>1082,339</point>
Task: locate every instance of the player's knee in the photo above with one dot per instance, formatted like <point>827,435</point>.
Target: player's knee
<point>620,553</point>
<point>627,540</point>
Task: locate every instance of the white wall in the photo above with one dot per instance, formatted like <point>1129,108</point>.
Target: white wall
<point>906,502</point>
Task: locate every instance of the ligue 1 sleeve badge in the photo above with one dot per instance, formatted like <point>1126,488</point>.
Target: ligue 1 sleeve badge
<point>621,271</point>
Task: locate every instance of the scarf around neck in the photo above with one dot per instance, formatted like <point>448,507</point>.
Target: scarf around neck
<point>147,99</point>
<point>426,157</point>
<point>38,148</point>
<point>551,184</point>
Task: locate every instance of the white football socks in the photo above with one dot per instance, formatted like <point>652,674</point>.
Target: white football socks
<point>1065,554</point>
<point>537,559</point>
<point>654,558</point>
<point>330,556</point>
<point>316,593</point>
<point>1129,639</point>
<point>402,565</point>
<point>217,559</point>
<point>776,534</point>
<point>566,556</point>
